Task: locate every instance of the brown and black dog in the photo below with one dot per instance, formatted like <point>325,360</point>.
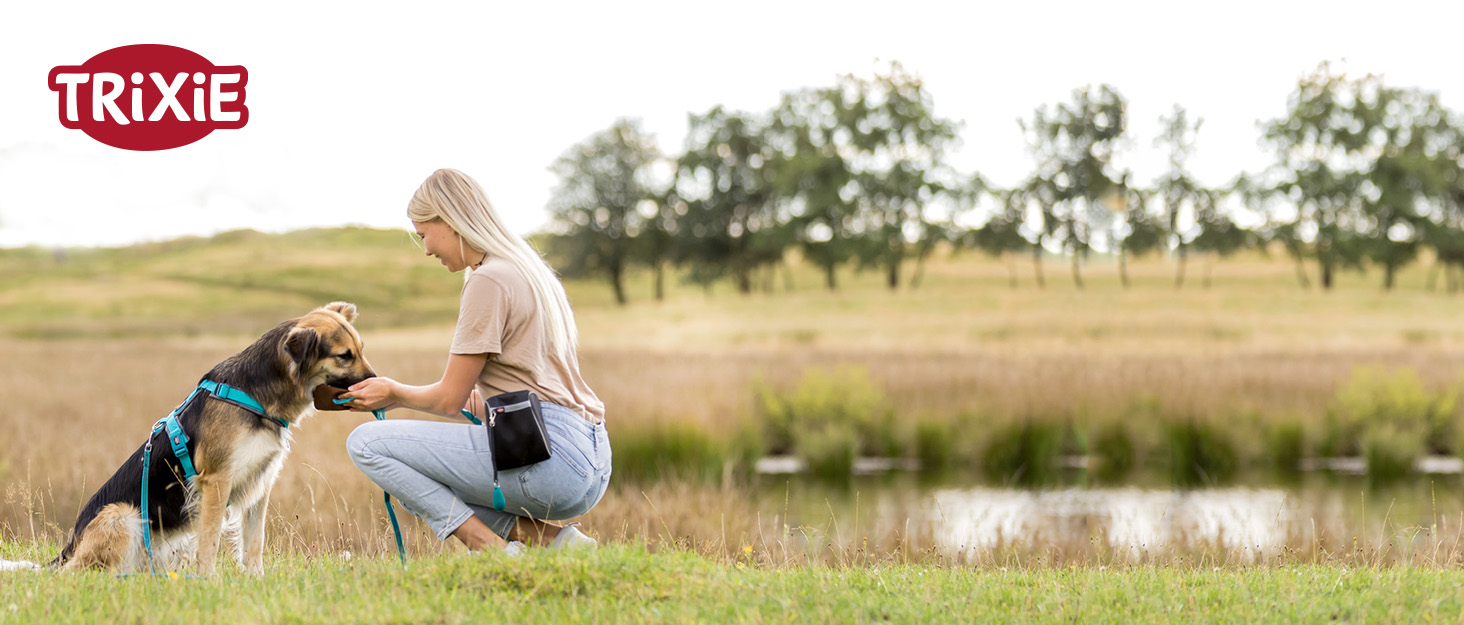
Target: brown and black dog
<point>238,455</point>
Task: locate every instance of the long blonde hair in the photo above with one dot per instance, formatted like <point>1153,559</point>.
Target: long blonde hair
<point>450,195</point>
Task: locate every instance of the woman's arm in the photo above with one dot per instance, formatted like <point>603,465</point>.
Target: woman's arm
<point>444,398</point>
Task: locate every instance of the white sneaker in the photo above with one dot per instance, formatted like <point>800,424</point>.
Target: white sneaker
<point>514,549</point>
<point>571,538</point>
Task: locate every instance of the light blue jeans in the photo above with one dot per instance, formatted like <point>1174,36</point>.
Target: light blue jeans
<point>443,472</point>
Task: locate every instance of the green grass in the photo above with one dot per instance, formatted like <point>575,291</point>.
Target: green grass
<point>234,282</point>
<point>626,584</point>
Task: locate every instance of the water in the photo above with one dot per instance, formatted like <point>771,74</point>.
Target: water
<point>1317,514</point>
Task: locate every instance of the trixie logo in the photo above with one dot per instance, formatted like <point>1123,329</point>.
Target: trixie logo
<point>150,97</point>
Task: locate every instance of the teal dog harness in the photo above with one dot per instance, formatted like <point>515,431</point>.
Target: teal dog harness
<point>178,439</point>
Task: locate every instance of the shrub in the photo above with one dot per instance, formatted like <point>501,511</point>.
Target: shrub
<point>1200,453</point>
<point>829,451</point>
<point>1113,453</point>
<point>935,445</point>
<point>1390,452</point>
<point>1286,446</point>
<point>1024,453</point>
<point>826,412</point>
<point>1396,405</point>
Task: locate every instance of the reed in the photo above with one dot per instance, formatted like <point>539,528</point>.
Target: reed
<point>1025,453</point>
<point>1200,453</point>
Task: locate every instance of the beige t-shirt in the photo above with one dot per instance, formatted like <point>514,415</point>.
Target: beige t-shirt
<point>498,317</point>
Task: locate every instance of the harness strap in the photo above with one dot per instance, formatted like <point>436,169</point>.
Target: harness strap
<point>239,398</point>
<point>180,445</point>
<point>178,440</point>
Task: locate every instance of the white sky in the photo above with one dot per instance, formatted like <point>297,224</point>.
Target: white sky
<point>352,104</point>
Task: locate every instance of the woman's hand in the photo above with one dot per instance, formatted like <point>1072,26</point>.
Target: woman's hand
<point>377,393</point>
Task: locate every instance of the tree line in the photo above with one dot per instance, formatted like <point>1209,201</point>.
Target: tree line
<point>856,174</point>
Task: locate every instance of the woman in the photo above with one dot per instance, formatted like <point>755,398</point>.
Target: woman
<point>515,331</point>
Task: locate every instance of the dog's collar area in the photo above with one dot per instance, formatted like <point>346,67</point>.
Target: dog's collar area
<point>224,392</point>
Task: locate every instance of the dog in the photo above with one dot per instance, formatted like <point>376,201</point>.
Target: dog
<point>238,454</point>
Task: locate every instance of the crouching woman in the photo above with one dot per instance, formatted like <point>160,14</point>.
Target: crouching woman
<point>515,331</point>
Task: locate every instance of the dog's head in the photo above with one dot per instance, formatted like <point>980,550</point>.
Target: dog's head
<point>323,348</point>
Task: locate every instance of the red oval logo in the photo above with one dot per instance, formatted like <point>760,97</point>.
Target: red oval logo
<point>150,97</point>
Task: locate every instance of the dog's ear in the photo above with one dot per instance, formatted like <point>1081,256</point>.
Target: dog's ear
<point>346,309</point>
<point>301,344</point>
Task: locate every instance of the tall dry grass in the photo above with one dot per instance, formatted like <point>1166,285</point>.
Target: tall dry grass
<point>74,409</point>
<point>963,351</point>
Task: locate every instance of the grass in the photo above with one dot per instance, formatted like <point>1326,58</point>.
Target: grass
<point>629,584</point>
<point>97,344</point>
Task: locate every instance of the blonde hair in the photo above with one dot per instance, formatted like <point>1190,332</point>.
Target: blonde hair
<point>450,195</point>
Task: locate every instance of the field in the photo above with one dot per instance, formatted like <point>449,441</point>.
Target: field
<point>97,344</point>
<point>623,584</point>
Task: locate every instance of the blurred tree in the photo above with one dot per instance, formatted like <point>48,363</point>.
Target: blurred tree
<point>963,198</point>
<point>1139,231</point>
<point>725,193</point>
<point>1216,234</point>
<point>813,178</point>
<point>602,186</point>
<point>895,148</point>
<point>1443,222</point>
<point>1320,147</point>
<point>1411,133</point>
<point>1179,193</point>
<point>1073,145</point>
<point>1002,233</point>
<point>656,245</point>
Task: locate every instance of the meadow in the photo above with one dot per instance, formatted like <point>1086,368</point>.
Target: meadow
<point>626,584</point>
<point>97,344</point>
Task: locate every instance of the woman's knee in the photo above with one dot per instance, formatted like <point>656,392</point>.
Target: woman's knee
<point>358,444</point>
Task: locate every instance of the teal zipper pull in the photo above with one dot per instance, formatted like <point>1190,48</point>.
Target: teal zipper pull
<point>498,502</point>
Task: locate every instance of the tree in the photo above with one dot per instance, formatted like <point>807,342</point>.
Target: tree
<point>1178,192</point>
<point>1002,233</point>
<point>1320,146</point>
<point>1215,232</point>
<point>656,245</point>
<point>725,197</point>
<point>814,179</point>
<point>1074,145</point>
<point>602,185</point>
<point>1410,133</point>
<point>895,147</point>
<point>1443,222</point>
<point>1140,232</point>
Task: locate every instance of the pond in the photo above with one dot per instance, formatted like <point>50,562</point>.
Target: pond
<point>1319,514</point>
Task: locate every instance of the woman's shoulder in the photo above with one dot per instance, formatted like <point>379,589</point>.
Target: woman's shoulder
<point>500,272</point>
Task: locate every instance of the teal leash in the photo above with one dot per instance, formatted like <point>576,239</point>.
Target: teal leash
<point>396,528</point>
<point>390,510</point>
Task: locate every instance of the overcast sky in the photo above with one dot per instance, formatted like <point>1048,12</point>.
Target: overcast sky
<point>353,104</point>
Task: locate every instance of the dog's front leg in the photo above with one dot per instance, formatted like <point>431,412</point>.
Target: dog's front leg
<point>213,492</point>
<point>252,537</point>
